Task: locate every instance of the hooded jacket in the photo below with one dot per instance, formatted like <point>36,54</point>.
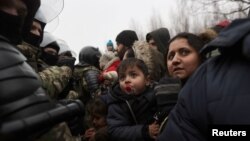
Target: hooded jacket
<point>152,58</point>
<point>161,37</point>
<point>122,125</point>
<point>109,69</point>
<point>218,92</point>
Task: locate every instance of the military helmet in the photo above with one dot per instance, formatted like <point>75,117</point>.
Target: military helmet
<point>65,49</point>
<point>90,55</point>
<point>49,40</point>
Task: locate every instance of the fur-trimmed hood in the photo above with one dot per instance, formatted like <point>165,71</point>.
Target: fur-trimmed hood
<point>107,59</point>
<point>111,62</point>
<point>208,35</point>
<point>152,58</point>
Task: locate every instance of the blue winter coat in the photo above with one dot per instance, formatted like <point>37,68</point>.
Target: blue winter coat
<point>218,92</point>
<point>122,126</point>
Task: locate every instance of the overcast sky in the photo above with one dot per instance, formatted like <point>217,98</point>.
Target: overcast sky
<point>94,22</point>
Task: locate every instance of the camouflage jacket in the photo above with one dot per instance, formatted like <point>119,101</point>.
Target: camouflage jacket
<point>31,53</point>
<point>53,78</point>
<point>86,81</point>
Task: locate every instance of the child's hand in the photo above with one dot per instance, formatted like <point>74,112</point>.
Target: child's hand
<point>153,130</point>
<point>89,133</point>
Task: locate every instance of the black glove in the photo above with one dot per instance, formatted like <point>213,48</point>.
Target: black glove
<point>69,61</point>
<point>66,89</point>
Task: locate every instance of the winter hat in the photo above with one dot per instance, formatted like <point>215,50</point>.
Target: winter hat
<point>127,38</point>
<point>222,24</point>
<point>110,43</point>
<point>64,48</point>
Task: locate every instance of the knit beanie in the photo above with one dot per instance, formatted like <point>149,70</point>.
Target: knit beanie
<point>127,38</point>
<point>110,43</point>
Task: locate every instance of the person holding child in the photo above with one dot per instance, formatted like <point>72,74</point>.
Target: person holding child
<point>132,104</point>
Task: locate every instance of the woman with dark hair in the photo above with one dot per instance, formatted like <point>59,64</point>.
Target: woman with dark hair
<point>183,56</point>
<point>182,59</point>
<point>216,98</point>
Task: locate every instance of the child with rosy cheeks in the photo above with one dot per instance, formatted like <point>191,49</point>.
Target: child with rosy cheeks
<point>132,104</point>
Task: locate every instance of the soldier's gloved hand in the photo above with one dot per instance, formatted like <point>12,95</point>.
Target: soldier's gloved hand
<point>67,61</point>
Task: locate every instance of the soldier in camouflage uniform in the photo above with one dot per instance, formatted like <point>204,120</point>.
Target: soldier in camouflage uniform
<point>66,55</point>
<point>21,95</point>
<point>86,73</point>
<point>53,78</point>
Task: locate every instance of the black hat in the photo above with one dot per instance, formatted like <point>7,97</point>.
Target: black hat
<point>127,38</point>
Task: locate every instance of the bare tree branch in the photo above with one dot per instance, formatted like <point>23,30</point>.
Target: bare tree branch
<point>242,1</point>
<point>232,12</point>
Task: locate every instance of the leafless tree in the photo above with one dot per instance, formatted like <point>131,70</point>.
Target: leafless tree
<point>229,9</point>
<point>137,28</point>
<point>179,18</point>
<point>195,15</point>
<point>155,21</point>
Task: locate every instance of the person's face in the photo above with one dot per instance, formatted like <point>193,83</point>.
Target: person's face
<point>13,7</point>
<point>36,28</point>
<point>110,48</point>
<point>99,121</point>
<point>152,43</point>
<point>121,49</point>
<point>50,51</point>
<point>182,59</point>
<point>133,81</point>
<point>65,55</point>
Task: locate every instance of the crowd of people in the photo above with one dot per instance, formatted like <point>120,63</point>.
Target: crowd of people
<point>164,88</point>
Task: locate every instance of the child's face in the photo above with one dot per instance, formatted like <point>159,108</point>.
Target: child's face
<point>133,81</point>
<point>99,121</point>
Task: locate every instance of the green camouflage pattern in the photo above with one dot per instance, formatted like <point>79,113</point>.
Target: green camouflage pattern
<point>54,79</point>
<point>31,53</point>
<point>81,83</point>
<point>60,132</point>
<point>73,95</point>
